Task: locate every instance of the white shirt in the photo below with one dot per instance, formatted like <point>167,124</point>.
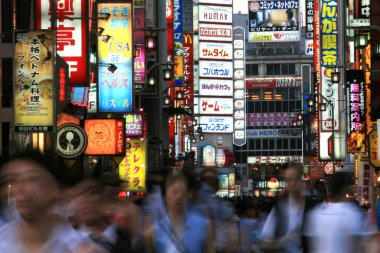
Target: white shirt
<point>337,228</point>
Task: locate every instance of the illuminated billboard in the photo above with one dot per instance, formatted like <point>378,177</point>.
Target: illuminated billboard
<point>214,124</point>
<point>215,87</point>
<point>215,14</point>
<point>273,21</point>
<point>115,81</point>
<point>216,69</point>
<point>33,92</point>
<point>132,169</point>
<point>134,125</point>
<point>105,136</point>
<point>215,51</point>
<point>211,105</point>
<point>71,34</point>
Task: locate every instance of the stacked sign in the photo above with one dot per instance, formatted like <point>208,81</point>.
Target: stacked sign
<point>239,87</point>
<point>215,66</point>
<point>273,20</point>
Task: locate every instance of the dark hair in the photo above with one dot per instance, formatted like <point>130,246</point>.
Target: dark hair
<point>47,161</point>
<point>297,166</point>
<point>174,176</point>
<point>338,183</point>
<point>212,181</point>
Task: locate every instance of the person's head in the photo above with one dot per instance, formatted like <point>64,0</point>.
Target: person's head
<point>210,177</point>
<point>176,191</point>
<point>293,177</point>
<point>340,184</point>
<point>289,13</point>
<point>33,181</point>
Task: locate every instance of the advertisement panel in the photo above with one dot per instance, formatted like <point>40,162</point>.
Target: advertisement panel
<point>273,83</point>
<point>268,133</point>
<point>33,92</point>
<point>215,87</point>
<point>273,21</point>
<point>215,51</point>
<point>330,91</point>
<point>71,141</point>
<point>115,85</point>
<point>309,8</point>
<point>309,47</point>
<point>139,42</point>
<point>105,136</point>
<point>273,159</point>
<point>356,111</point>
<point>188,70</point>
<point>211,105</point>
<point>213,69</point>
<point>215,14</point>
<point>178,43</point>
<point>374,158</point>
<point>219,2</point>
<point>359,13</point>
<point>329,33</point>
<point>71,34</point>
<point>208,156</point>
<point>215,32</point>
<point>92,98</point>
<point>212,124</point>
<point>271,119</point>
<point>134,125</point>
<point>132,169</point>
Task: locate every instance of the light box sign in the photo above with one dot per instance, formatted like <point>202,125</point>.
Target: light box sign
<point>71,34</point>
<point>211,124</point>
<point>271,119</point>
<point>215,14</point>
<point>359,13</point>
<point>309,8</point>
<point>208,156</point>
<point>134,125</point>
<point>132,169</point>
<point>188,69</point>
<point>215,51</point>
<point>221,2</point>
<point>273,21</point>
<point>139,42</point>
<point>178,42</point>
<point>356,111</point>
<point>273,83</point>
<point>211,105</point>
<point>213,87</point>
<point>33,92</point>
<point>105,136</point>
<point>329,33</point>
<point>330,91</point>
<point>215,32</point>
<point>115,87</point>
<point>273,159</point>
<point>92,99</point>
<point>212,69</point>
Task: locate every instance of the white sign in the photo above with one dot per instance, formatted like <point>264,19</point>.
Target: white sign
<point>239,124</point>
<point>215,51</point>
<point>214,69</point>
<point>210,105</point>
<point>239,84</point>
<point>92,99</point>
<point>215,87</point>
<point>273,159</point>
<point>215,32</point>
<point>309,47</point>
<point>330,91</point>
<point>280,36</point>
<point>239,94</point>
<point>239,134</point>
<point>264,133</point>
<point>226,2</point>
<point>239,104</point>
<point>215,14</point>
<point>216,124</point>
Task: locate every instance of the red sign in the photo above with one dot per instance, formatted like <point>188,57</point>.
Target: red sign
<point>105,136</point>
<point>71,34</point>
<point>272,83</point>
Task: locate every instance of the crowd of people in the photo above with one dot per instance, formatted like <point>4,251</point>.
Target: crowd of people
<point>42,211</point>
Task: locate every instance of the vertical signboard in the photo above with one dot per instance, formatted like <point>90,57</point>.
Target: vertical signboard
<point>359,12</point>
<point>115,84</point>
<point>134,125</point>
<point>273,21</point>
<point>178,43</point>
<point>139,47</point>
<point>309,18</point>
<point>239,136</point>
<point>33,92</point>
<point>71,34</point>
<point>356,111</point>
<point>132,169</point>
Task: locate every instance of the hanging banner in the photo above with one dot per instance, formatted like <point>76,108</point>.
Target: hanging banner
<point>356,111</point>
<point>132,169</point>
<point>33,92</point>
<point>71,34</point>
<point>115,84</point>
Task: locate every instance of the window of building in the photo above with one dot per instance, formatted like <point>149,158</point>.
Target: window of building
<point>281,69</point>
<point>252,69</point>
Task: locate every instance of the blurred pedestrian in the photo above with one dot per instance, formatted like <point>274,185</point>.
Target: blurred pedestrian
<point>338,225</point>
<point>34,182</point>
<point>282,231</point>
<point>181,229</point>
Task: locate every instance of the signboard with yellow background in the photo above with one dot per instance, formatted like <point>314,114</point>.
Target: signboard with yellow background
<point>132,168</point>
<point>33,90</point>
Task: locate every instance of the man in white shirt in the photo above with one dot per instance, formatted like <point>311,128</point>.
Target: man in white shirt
<point>338,226</point>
